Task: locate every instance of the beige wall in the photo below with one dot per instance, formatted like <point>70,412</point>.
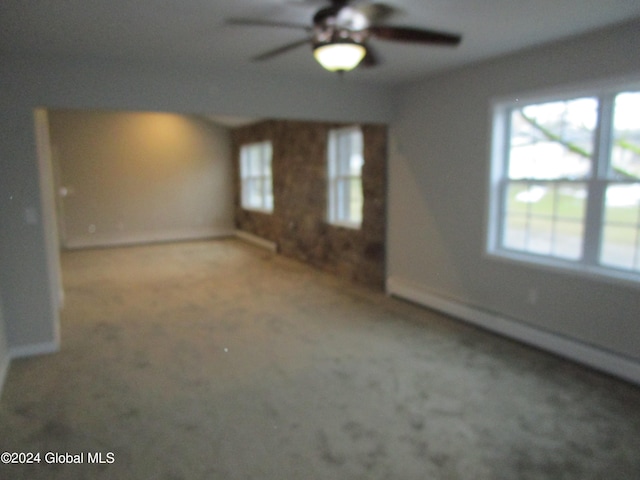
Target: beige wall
<point>135,177</point>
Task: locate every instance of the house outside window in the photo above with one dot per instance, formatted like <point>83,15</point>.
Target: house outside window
<point>565,181</point>
<point>256,177</point>
<point>345,161</point>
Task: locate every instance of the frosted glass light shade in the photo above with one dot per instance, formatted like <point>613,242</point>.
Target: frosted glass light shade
<point>340,56</point>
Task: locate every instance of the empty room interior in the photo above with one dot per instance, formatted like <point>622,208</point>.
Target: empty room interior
<point>227,254</point>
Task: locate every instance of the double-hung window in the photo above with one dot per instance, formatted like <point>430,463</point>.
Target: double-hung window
<point>565,181</point>
<point>345,161</point>
<point>256,178</point>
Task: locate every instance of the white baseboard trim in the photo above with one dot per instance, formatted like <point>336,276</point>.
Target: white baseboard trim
<point>24,351</point>
<point>258,241</point>
<point>603,360</point>
<point>44,348</point>
<point>142,238</point>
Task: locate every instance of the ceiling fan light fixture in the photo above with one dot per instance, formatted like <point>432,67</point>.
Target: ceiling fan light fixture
<point>339,56</point>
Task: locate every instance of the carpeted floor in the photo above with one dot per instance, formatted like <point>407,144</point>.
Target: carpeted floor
<point>217,360</point>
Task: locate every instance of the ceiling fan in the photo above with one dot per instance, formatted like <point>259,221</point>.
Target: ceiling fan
<point>340,31</point>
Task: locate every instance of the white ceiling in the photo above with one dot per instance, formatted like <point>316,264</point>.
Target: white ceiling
<point>192,33</point>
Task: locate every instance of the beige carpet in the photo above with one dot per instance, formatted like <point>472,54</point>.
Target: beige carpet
<point>216,360</point>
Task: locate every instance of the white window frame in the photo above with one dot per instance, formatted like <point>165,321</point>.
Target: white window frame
<point>589,263</point>
<point>342,145</point>
<point>256,183</point>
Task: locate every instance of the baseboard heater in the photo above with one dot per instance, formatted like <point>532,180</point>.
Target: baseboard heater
<point>605,361</point>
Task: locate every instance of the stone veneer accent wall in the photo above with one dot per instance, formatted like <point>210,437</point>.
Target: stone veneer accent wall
<point>298,224</point>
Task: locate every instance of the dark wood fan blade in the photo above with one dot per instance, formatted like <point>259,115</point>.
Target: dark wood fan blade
<point>316,3</point>
<point>280,50</point>
<point>414,35</point>
<point>247,22</point>
<point>306,3</point>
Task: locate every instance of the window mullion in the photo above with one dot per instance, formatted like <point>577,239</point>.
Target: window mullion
<point>598,182</point>
<point>502,210</point>
<point>593,222</point>
<point>500,181</point>
<point>604,136</point>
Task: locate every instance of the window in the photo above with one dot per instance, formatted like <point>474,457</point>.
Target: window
<point>565,181</point>
<point>345,160</point>
<point>255,173</point>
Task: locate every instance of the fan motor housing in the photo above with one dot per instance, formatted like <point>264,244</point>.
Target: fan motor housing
<point>339,23</point>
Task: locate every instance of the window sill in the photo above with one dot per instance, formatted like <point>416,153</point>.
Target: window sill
<point>559,266</point>
<point>349,226</point>
<point>257,210</point>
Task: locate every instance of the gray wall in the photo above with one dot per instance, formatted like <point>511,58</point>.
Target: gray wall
<point>4,351</point>
<point>438,195</point>
<point>136,177</point>
<point>29,311</point>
